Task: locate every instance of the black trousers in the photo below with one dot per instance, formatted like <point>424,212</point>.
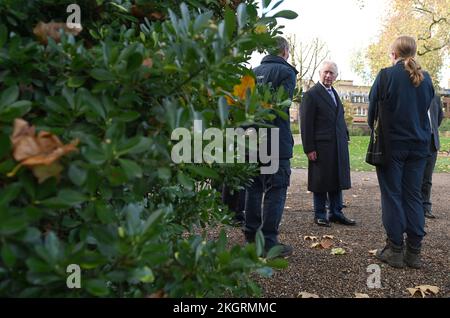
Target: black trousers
<point>428,178</point>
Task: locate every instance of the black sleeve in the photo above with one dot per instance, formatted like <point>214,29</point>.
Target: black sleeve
<point>289,84</point>
<point>373,100</point>
<point>440,112</point>
<point>307,118</point>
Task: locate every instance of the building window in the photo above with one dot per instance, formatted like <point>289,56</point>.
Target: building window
<point>361,111</point>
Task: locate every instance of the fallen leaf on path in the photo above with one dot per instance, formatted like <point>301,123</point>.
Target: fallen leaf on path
<point>328,237</point>
<point>306,295</point>
<point>366,179</point>
<point>310,238</point>
<point>325,244</point>
<point>373,252</point>
<point>338,251</point>
<point>358,295</point>
<point>423,290</point>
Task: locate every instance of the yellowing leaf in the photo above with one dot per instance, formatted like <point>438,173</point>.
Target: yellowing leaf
<point>240,90</point>
<point>260,28</point>
<point>306,295</point>
<point>338,251</point>
<point>358,295</point>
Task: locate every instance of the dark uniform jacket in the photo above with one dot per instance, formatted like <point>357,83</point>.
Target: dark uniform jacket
<point>276,72</point>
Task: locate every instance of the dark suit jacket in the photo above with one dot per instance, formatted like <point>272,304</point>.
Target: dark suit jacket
<point>324,131</point>
<point>436,115</point>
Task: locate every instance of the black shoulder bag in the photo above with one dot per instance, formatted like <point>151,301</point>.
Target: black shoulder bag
<point>378,152</point>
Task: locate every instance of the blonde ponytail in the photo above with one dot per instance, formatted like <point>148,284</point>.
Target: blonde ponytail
<point>415,71</point>
<point>405,47</point>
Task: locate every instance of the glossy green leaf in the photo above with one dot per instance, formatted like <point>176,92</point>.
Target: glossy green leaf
<point>97,287</point>
<point>134,62</point>
<point>203,171</point>
<point>286,14</point>
<point>9,96</point>
<point>8,256</point>
<point>5,145</point>
<point>77,175</point>
<point>131,168</point>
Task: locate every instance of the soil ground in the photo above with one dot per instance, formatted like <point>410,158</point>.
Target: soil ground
<point>318,272</point>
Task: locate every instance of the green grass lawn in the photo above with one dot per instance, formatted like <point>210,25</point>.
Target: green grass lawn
<point>358,148</point>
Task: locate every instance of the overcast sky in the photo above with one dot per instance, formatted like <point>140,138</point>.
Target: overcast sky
<point>343,25</point>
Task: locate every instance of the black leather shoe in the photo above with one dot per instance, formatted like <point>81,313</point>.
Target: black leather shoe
<point>429,215</point>
<point>342,220</point>
<point>322,222</point>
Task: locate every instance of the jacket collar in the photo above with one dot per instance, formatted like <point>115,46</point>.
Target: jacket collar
<point>278,60</point>
<point>324,94</point>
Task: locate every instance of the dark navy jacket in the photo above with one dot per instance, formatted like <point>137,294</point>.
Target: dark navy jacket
<point>275,71</point>
<point>408,109</point>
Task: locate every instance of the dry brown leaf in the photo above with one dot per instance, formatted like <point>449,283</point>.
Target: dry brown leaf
<point>358,295</point>
<point>40,153</point>
<point>373,252</point>
<point>414,291</point>
<point>325,244</point>
<point>306,295</point>
<point>429,289</point>
<point>45,30</point>
<point>424,290</point>
<point>310,238</point>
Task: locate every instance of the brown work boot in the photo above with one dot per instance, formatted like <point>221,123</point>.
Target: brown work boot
<point>412,257</point>
<point>391,254</point>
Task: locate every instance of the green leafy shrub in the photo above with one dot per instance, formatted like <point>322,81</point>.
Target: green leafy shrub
<point>135,222</point>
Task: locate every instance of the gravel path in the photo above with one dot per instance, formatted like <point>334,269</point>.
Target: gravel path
<point>317,271</point>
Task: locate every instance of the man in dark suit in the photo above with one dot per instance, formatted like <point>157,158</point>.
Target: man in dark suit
<point>436,115</point>
<point>325,142</point>
<point>266,196</point>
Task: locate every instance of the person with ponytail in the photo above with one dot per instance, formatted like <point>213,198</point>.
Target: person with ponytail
<point>408,92</point>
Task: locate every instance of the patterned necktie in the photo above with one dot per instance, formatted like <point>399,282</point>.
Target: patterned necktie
<point>330,91</point>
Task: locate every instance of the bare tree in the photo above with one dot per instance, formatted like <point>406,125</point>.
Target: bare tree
<point>306,58</point>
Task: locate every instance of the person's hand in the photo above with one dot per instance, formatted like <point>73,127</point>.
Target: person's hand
<point>312,156</point>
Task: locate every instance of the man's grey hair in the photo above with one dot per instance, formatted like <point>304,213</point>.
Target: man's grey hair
<point>328,62</point>
<point>281,46</point>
